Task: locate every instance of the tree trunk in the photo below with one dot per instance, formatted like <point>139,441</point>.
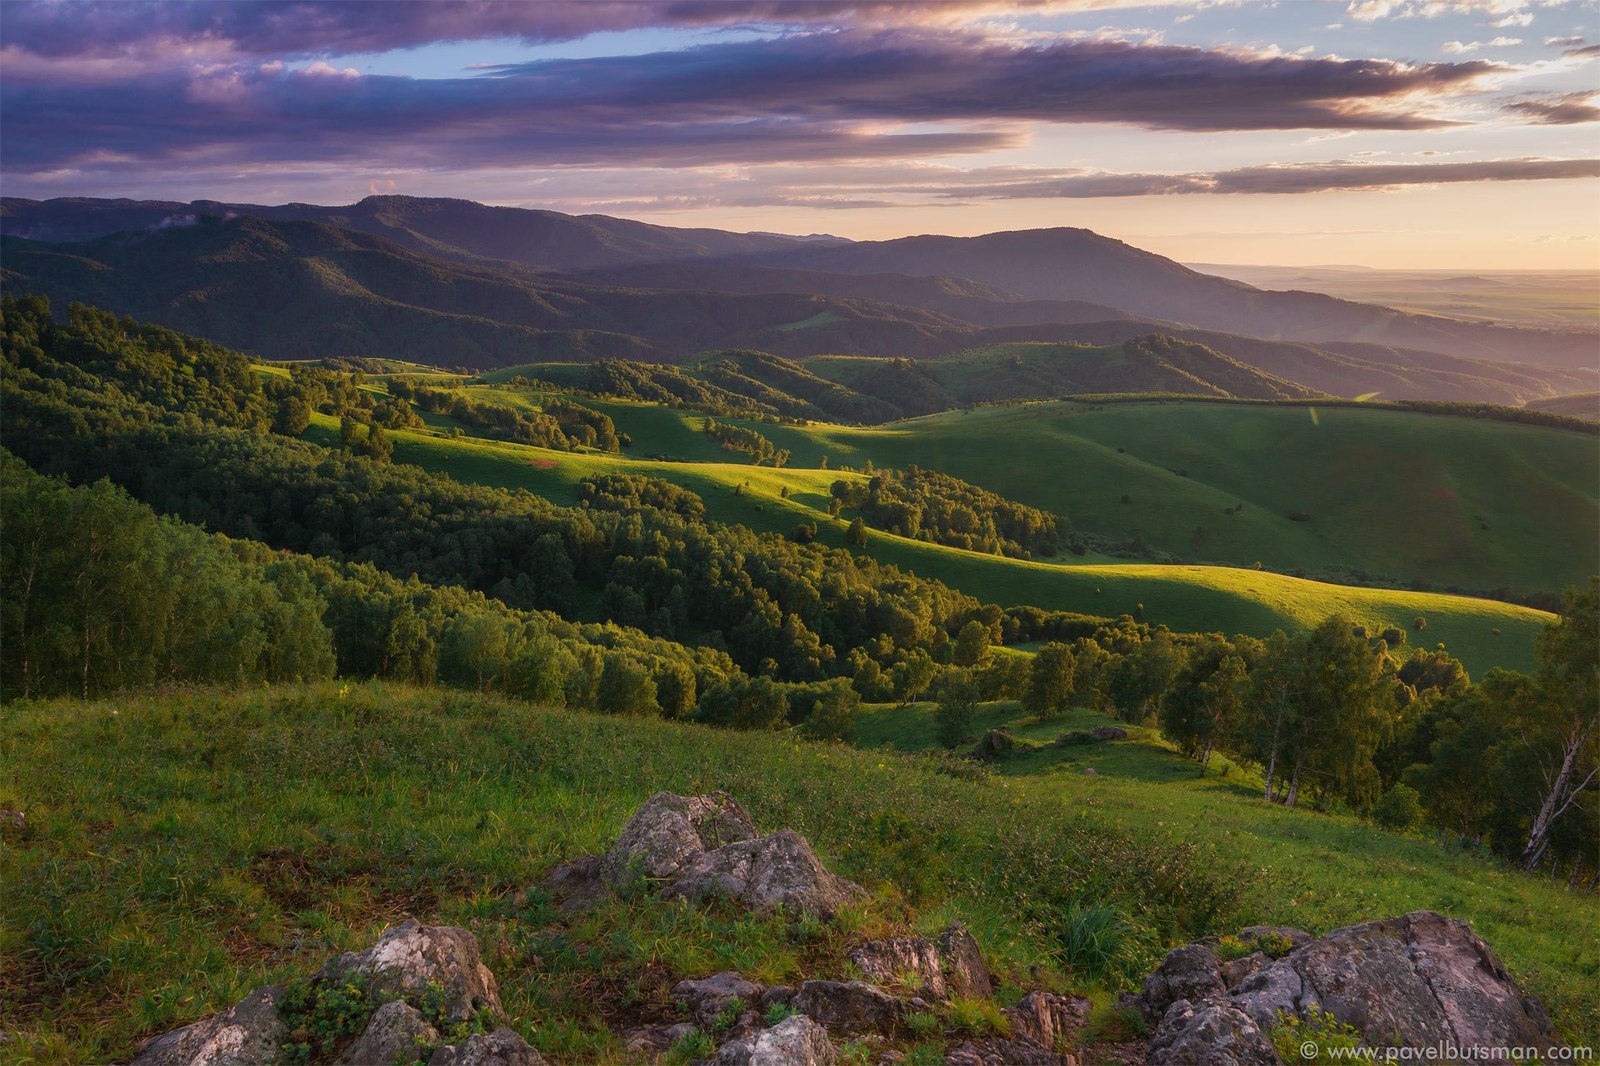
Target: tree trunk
<point>1294,786</point>
<point>1556,801</point>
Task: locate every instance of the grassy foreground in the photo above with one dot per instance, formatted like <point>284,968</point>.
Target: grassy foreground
<point>181,850</point>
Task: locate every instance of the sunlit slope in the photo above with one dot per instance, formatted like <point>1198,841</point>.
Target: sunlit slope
<point>1186,598</point>
<point>1460,501</point>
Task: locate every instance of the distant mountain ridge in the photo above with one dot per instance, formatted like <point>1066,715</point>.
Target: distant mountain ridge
<point>1079,264</point>
<point>456,283</point>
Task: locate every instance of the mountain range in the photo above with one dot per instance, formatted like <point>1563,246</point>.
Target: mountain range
<point>460,284</point>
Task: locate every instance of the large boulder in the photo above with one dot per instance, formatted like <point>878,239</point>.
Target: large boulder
<point>1212,1033</point>
<point>848,1006</point>
<point>1420,980</point>
<point>503,1047</point>
<point>410,958</point>
<point>669,830</point>
<point>395,1033</point>
<point>247,1034</point>
<point>910,962</point>
<point>1109,732</point>
<point>1417,981</point>
<point>965,973</point>
<point>795,1041</point>
<point>778,870</point>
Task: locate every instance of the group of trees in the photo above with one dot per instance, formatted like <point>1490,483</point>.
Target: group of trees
<point>1335,716</point>
<point>927,505</point>
<point>559,424</point>
<point>740,439</point>
<point>634,551</point>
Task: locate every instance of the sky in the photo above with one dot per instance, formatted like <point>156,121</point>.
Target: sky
<point>1421,134</point>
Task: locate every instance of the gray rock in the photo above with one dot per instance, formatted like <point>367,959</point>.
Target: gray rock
<point>1421,979</point>
<point>1190,972</point>
<point>648,1041</point>
<point>503,1047</point>
<point>796,1041</point>
<point>669,831</point>
<point>396,1032</point>
<point>13,820</point>
<point>1212,1033</point>
<point>1044,1017</point>
<point>965,972</point>
<point>1234,971</point>
<point>708,997</point>
<point>911,962</point>
<point>1109,732</point>
<point>779,870</point>
<point>777,994</point>
<point>411,956</point>
<point>246,1034</point>
<point>848,1006</point>
<point>1090,771</point>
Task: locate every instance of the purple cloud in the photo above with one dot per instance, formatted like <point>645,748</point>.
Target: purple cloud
<point>1286,178</point>
<point>813,96</point>
<point>307,29</point>
<point>1565,109</point>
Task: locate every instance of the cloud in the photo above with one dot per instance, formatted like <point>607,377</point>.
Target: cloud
<point>1286,178</point>
<point>1457,48</point>
<point>1510,12</point>
<point>812,96</point>
<point>312,28</point>
<point>1563,109</point>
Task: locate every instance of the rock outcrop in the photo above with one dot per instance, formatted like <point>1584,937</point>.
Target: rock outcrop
<point>771,872</point>
<point>796,1041</point>
<point>909,962</point>
<point>965,973</point>
<point>247,1033</point>
<point>707,998</point>
<point>1039,1023</point>
<point>410,958</point>
<point>394,1034</point>
<point>848,1006</point>
<point>1212,1033</point>
<point>503,1047</point>
<point>1417,981</point>
<point>409,965</point>
<point>706,847</point>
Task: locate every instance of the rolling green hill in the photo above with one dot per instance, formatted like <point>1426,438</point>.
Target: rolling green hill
<point>1450,500</point>
<point>1187,598</point>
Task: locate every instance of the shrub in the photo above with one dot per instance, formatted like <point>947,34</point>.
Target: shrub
<point>1317,1030</point>
<point>1400,809</point>
<point>690,1047</point>
<point>778,1012</point>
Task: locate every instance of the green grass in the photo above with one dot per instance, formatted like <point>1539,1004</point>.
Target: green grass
<point>1186,598</point>
<point>1325,870</point>
<point>183,849</point>
<point>1458,501</point>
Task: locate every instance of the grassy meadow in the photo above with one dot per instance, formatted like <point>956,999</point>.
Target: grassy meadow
<point>183,849</point>
<point>1482,633</point>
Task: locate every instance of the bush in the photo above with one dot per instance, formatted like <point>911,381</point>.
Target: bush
<point>1400,809</point>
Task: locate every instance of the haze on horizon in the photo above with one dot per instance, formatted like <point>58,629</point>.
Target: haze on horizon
<point>1417,134</point>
